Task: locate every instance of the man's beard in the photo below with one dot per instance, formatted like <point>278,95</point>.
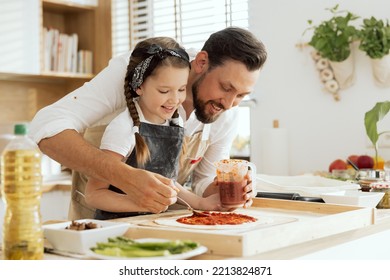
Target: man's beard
<point>200,106</point>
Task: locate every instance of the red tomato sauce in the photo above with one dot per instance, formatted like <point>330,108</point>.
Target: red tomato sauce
<point>215,218</point>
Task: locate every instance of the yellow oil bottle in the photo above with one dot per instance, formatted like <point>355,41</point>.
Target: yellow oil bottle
<point>21,182</point>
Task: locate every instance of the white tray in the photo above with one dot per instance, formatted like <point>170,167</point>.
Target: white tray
<point>305,185</point>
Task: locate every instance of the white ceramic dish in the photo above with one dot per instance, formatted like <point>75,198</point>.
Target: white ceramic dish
<point>197,251</point>
<point>81,241</point>
<point>355,198</point>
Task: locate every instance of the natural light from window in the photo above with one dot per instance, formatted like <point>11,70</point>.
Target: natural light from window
<point>190,22</point>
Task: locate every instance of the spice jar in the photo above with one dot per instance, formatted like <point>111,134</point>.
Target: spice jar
<point>385,188</point>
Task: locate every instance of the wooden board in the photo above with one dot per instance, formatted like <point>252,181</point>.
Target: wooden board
<point>312,221</point>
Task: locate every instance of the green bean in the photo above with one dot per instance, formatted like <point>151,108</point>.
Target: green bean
<point>126,247</point>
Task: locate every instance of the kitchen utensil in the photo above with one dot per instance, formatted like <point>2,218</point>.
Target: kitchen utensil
<point>353,165</point>
<point>289,196</point>
<point>232,178</point>
<point>194,211</point>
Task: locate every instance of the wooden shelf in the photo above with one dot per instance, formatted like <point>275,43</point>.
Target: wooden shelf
<point>63,5</point>
<point>31,92</point>
<point>45,77</point>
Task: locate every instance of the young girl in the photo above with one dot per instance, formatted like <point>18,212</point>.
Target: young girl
<point>155,87</point>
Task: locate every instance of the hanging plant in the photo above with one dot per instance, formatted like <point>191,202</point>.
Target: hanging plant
<point>374,38</point>
<point>332,40</point>
<point>375,42</point>
<point>333,37</point>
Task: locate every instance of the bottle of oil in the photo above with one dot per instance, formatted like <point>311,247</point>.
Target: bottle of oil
<point>21,181</point>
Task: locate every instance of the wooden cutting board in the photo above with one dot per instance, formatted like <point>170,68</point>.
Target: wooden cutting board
<point>294,222</point>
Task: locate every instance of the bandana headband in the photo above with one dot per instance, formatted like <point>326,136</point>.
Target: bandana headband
<point>154,51</point>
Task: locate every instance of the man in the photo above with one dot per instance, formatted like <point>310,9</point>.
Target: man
<point>221,75</point>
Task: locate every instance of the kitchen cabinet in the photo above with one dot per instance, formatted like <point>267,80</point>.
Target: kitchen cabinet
<point>25,87</point>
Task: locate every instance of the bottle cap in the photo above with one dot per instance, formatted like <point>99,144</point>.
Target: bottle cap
<point>20,129</point>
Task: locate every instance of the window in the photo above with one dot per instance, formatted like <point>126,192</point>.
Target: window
<point>190,22</point>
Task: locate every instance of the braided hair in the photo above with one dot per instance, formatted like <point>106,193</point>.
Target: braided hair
<point>146,57</point>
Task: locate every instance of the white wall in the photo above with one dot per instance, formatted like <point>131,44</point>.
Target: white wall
<point>319,128</point>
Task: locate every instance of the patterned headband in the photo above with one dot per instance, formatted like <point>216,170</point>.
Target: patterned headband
<point>155,51</point>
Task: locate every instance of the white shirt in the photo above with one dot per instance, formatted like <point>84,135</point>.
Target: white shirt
<point>101,99</point>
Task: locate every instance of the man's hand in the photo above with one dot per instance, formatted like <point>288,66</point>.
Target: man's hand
<point>151,192</point>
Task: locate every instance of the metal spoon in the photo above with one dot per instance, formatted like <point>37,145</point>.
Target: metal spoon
<point>198,213</point>
<point>353,165</point>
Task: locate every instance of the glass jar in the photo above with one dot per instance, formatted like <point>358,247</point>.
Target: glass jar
<point>385,188</point>
<point>366,177</point>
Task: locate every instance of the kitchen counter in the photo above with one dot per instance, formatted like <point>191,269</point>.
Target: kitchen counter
<point>61,182</point>
<point>367,243</point>
<point>364,243</point>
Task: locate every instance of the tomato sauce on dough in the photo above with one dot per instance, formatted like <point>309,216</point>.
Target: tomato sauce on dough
<point>216,218</point>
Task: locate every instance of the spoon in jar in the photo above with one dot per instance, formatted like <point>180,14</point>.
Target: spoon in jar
<point>353,164</point>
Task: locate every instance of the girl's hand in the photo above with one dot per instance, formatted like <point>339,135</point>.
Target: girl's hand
<point>210,203</point>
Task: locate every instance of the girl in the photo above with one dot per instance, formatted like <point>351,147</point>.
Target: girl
<point>155,87</point>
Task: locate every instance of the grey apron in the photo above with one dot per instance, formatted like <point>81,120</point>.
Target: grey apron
<point>164,143</point>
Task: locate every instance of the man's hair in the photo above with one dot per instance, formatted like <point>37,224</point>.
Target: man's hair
<point>234,43</point>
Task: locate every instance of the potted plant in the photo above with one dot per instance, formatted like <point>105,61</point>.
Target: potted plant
<point>374,39</point>
<point>371,118</point>
<point>332,39</point>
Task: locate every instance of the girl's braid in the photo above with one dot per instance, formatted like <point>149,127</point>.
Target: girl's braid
<point>141,148</point>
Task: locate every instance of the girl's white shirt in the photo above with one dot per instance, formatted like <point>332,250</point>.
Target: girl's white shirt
<point>119,136</point>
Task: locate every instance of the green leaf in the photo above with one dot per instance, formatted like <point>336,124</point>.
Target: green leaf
<point>332,38</point>
<point>371,119</point>
<point>374,37</point>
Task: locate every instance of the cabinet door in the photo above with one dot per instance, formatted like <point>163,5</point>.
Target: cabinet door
<point>20,36</point>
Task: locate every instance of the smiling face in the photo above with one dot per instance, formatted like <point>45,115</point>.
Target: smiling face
<point>162,93</point>
<point>221,88</point>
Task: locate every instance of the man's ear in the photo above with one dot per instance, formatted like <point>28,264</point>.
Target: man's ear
<point>201,62</point>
